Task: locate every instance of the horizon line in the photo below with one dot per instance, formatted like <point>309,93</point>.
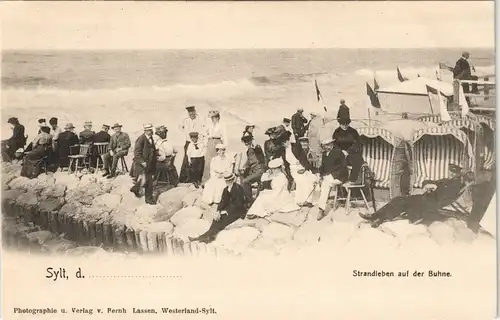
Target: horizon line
<point>255,48</point>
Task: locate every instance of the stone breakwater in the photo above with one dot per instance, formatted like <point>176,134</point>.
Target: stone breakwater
<point>86,210</point>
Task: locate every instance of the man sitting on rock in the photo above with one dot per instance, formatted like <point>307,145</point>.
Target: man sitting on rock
<point>254,166</point>
<point>231,208</point>
<point>438,194</point>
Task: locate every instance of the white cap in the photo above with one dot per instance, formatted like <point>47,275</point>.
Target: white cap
<point>220,146</point>
<point>327,141</point>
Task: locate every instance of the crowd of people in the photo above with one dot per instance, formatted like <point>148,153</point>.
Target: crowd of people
<point>284,173</point>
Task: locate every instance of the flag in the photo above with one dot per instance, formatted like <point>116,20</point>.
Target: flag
<point>462,102</point>
<point>438,75</point>
<point>443,110</point>
<point>373,97</point>
<point>400,76</point>
<point>318,93</point>
<point>375,84</point>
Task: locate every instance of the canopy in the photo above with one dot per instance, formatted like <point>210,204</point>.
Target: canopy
<point>432,156</point>
<point>404,127</point>
<point>374,132</point>
<point>418,86</point>
<point>462,123</point>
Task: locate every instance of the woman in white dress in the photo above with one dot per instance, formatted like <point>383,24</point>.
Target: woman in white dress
<point>304,179</point>
<point>278,199</point>
<point>219,165</point>
<point>215,134</point>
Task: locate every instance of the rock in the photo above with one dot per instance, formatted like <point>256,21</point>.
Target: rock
<point>68,180</point>
<point>173,197</point>
<point>419,243</point>
<point>441,233</point>
<point>9,198</point>
<point>85,251</point>
<point>191,198</point>
<point>236,240</point>
<point>109,201</point>
<point>191,228</point>
<point>184,214</point>
<point>71,209</point>
<point>163,226</point>
<point>22,183</point>
<point>57,190</point>
<point>46,178</point>
<point>146,213</point>
<point>291,219</point>
<point>464,235</point>
<point>123,180</point>
<point>50,205</point>
<point>84,195</point>
<point>87,180</point>
<point>258,224</point>
<point>262,247</point>
<point>93,213</point>
<point>277,232</point>
<point>58,245</point>
<point>40,237</point>
<point>28,199</point>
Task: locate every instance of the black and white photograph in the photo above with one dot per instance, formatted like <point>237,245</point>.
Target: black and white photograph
<point>227,130</point>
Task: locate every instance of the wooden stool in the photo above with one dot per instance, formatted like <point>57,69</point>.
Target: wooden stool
<point>124,165</point>
<point>79,160</point>
<point>348,199</point>
<point>101,148</point>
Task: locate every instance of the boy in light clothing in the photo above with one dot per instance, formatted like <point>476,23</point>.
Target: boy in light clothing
<point>196,159</point>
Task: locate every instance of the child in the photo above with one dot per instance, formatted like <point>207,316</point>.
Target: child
<point>196,159</point>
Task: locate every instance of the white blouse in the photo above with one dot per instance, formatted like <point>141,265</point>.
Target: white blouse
<point>216,130</point>
<point>219,165</point>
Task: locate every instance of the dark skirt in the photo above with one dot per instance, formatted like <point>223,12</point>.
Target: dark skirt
<point>166,173</point>
<point>35,160</point>
<point>184,174</point>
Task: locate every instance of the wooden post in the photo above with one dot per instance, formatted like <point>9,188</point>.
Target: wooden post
<point>486,89</point>
<point>456,95</point>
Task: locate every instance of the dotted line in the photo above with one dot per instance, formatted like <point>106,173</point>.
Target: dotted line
<point>134,277</point>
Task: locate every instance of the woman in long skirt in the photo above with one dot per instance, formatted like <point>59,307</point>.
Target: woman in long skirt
<point>278,199</point>
<point>42,147</point>
<point>219,165</point>
<point>216,134</point>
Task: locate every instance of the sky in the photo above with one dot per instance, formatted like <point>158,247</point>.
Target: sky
<point>235,25</point>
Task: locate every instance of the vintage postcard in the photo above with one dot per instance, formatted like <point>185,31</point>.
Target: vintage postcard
<point>248,160</point>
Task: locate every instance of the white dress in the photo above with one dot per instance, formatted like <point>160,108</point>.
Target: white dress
<point>304,181</point>
<point>214,186</point>
<point>278,199</point>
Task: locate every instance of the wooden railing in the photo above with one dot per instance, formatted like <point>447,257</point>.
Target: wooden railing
<point>486,90</point>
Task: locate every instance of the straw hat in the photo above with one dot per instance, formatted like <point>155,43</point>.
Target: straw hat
<point>327,141</point>
<point>116,125</point>
<point>220,146</point>
<point>229,176</point>
<point>69,126</point>
<point>87,123</point>
<point>148,126</point>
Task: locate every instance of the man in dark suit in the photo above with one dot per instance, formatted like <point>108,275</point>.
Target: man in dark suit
<point>231,208</point>
<point>438,194</point>
<point>17,141</point>
<point>333,171</point>
<point>144,166</point>
<point>254,166</point>
<point>103,135</point>
<point>299,123</point>
<point>462,71</point>
<point>118,148</point>
<point>87,135</point>
<point>66,139</point>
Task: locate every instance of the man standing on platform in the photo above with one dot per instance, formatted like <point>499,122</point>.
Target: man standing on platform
<point>145,164</point>
<point>462,71</point>
<point>118,148</point>
<point>193,123</point>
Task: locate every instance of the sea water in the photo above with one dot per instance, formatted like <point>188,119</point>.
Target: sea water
<point>247,86</point>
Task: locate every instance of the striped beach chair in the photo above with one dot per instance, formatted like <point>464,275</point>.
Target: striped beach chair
<point>434,148</point>
<point>474,133</point>
<point>436,118</point>
<point>379,149</point>
<point>488,125</point>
